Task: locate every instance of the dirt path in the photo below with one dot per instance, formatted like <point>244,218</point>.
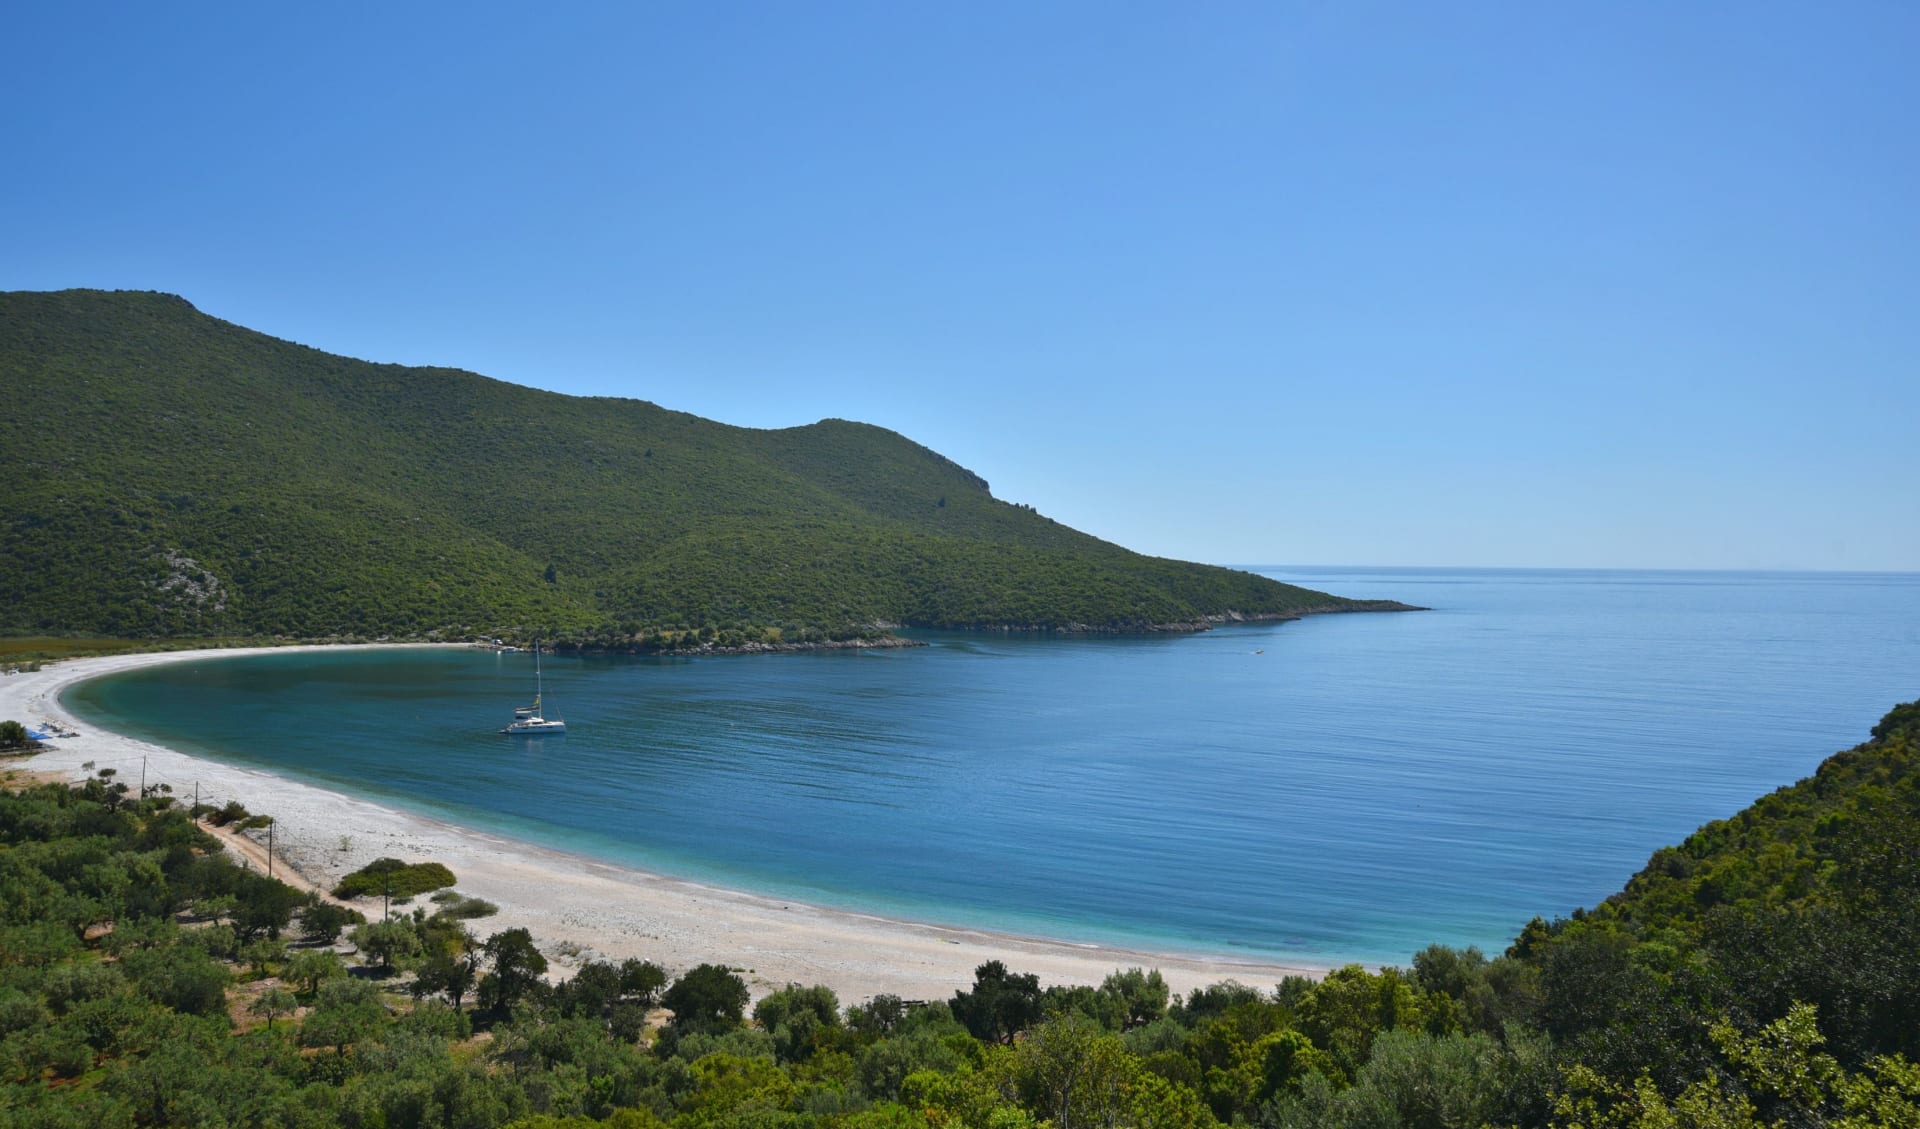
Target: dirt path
<point>255,855</point>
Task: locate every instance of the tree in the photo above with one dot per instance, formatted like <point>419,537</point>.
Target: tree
<point>448,972</point>
<point>272,1002</point>
<point>879,1017</point>
<point>642,980</point>
<point>710,996</point>
<point>323,922</point>
<point>1781,1067</point>
<point>1345,1011</point>
<point>591,993</point>
<point>313,967</point>
<point>796,1017</point>
<point>1144,995</point>
<point>1438,968</point>
<point>388,941</point>
<point>181,977</point>
<point>735,1086</point>
<point>346,1012</point>
<point>217,908</point>
<point>517,967</point>
<point>1279,1060</point>
<point>262,905</point>
<point>1420,1080</point>
<point>1001,1004</point>
<point>1159,1104</point>
<point>1073,1074</point>
<point>261,953</point>
<point>232,812</point>
<point>1108,1009</point>
<point>13,735</point>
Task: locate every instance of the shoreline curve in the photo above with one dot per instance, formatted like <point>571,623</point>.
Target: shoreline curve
<point>578,907</point>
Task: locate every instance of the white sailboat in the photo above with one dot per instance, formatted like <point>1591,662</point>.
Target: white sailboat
<point>527,720</point>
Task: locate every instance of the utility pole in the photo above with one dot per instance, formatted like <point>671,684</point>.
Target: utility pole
<point>270,828</point>
<point>143,778</point>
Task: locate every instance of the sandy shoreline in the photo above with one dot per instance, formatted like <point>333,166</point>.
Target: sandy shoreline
<point>578,907</point>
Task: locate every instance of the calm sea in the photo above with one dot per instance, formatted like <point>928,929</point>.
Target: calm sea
<point>1345,787</point>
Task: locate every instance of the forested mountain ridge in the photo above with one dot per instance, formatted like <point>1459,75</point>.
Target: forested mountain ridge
<point>171,474</point>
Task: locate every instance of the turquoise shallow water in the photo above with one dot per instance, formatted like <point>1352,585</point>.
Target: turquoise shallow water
<point>1344,787</point>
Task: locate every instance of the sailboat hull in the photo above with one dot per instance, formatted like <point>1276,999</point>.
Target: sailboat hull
<point>536,727</point>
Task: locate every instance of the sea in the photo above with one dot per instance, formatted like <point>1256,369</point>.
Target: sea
<point>1340,788</point>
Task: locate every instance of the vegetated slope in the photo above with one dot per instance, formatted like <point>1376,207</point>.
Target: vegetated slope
<point>1811,895</point>
<point>172,474</point>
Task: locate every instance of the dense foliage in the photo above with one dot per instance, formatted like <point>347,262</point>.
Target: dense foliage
<point>393,878</point>
<point>169,474</point>
<point>1762,973</point>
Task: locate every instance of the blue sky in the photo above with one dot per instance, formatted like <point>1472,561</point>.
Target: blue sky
<point>1611,285</point>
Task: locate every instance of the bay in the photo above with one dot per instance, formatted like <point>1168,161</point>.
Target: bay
<point>1338,788</point>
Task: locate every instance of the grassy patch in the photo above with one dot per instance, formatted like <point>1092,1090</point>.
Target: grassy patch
<point>51,648</point>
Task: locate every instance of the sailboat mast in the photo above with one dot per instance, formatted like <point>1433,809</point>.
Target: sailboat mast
<point>527,720</point>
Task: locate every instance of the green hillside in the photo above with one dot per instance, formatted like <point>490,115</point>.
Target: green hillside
<point>1810,895</point>
<point>170,474</point>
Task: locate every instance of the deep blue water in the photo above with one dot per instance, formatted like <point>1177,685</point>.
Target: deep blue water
<point>1344,787</point>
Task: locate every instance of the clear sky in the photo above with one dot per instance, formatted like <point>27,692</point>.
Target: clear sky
<point>1525,284</point>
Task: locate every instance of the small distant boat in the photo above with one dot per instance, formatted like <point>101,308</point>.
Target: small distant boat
<point>527,720</point>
